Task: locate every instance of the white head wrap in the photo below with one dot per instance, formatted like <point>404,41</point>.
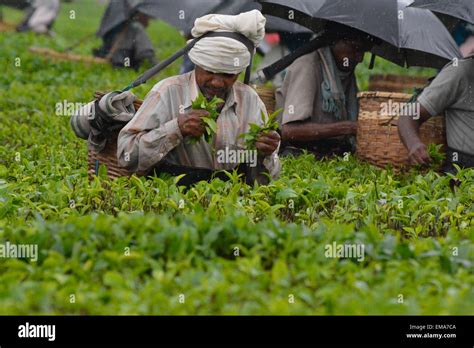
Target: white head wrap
<point>223,54</point>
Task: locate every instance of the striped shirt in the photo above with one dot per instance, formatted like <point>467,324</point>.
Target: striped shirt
<point>154,135</point>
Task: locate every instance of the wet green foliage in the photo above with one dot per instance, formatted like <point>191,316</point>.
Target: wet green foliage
<point>133,246</point>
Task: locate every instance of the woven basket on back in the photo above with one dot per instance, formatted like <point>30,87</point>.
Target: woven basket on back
<point>267,94</point>
<point>108,156</point>
<point>396,83</point>
<point>378,141</point>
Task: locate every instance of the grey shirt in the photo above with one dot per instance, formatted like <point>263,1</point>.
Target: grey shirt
<point>300,95</point>
<point>452,93</point>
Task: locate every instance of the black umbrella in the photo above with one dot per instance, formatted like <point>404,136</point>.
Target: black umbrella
<point>423,40</point>
<point>182,13</point>
<point>411,36</point>
<point>275,24</point>
<point>119,11</point>
<point>179,13</point>
<point>460,9</point>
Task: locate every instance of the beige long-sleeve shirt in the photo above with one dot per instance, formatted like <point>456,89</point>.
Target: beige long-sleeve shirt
<point>153,133</point>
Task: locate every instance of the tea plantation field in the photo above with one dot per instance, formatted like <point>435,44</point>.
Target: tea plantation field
<point>136,246</point>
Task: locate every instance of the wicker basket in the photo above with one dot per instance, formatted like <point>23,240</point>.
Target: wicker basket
<point>267,94</point>
<point>108,156</point>
<point>6,27</point>
<point>396,83</point>
<point>378,141</point>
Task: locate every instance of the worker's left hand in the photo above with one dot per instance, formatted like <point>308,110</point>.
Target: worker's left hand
<point>418,154</point>
<point>267,143</point>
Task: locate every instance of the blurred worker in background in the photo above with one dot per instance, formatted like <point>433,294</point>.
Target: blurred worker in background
<point>126,43</point>
<point>40,17</point>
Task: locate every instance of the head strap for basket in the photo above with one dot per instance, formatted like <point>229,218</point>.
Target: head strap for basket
<point>159,67</point>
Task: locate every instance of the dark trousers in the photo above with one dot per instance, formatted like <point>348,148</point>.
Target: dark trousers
<point>320,149</point>
<point>463,160</point>
<point>193,174</point>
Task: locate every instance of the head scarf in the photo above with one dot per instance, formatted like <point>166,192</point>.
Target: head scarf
<point>223,54</point>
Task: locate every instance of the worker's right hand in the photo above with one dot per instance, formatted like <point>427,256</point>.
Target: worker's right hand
<point>418,154</point>
<point>191,124</point>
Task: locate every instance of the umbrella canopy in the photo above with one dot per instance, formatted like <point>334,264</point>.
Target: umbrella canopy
<point>119,11</point>
<point>427,45</point>
<point>411,36</point>
<point>275,24</point>
<point>179,13</point>
<point>182,13</point>
<point>460,9</point>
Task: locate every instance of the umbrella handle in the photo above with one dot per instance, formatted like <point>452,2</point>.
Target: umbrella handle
<point>157,68</point>
<point>372,61</point>
<point>269,72</point>
<point>70,48</point>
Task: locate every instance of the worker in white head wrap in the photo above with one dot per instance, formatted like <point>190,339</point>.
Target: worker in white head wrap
<point>157,136</point>
<point>223,54</point>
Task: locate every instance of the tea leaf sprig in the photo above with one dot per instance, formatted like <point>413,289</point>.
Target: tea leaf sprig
<point>210,122</point>
<point>436,154</point>
<point>269,124</point>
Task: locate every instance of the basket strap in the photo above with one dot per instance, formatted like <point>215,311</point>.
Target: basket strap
<point>159,67</point>
<point>270,71</point>
<point>372,61</point>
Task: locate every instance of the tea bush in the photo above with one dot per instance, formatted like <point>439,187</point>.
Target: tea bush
<point>133,246</point>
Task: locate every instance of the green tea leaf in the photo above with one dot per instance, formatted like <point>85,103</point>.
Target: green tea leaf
<point>269,124</point>
<point>201,103</point>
